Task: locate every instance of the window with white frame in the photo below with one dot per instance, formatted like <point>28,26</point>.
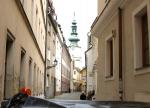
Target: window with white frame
<point>109,66</point>
<point>141,37</point>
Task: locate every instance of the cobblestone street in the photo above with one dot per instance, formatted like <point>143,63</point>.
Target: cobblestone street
<point>69,96</point>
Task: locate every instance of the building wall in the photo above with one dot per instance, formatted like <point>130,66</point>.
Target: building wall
<point>107,87</point>
<point>90,73</point>
<point>76,80</point>
<point>71,77</point>
<point>51,56</point>
<point>59,59</point>
<point>101,4</point>
<point>91,56</point>
<point>83,79</point>
<point>14,23</point>
<point>135,78</point>
<point>37,18</point>
<point>66,69</point>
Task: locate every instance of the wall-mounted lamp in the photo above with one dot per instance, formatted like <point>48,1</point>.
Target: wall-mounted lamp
<point>55,63</point>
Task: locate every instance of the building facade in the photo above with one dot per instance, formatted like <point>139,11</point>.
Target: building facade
<point>77,85</point>
<point>91,56</point>
<point>58,69</point>
<point>122,28</point>
<point>22,49</point>
<point>51,51</point>
<point>66,69</point>
<point>83,81</point>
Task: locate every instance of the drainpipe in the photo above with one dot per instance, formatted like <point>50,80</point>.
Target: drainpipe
<point>45,50</point>
<point>86,71</point>
<point>120,54</point>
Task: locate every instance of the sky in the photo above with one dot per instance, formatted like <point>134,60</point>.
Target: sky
<point>85,13</point>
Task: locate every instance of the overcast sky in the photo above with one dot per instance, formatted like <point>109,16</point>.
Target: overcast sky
<point>85,13</point>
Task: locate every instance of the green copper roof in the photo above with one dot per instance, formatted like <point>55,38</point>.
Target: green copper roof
<point>73,35</point>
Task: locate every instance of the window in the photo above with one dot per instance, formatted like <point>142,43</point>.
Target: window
<point>109,58</point>
<point>30,73</point>
<point>22,65</point>
<point>141,37</point>
<point>34,80</point>
<point>145,40</point>
<point>8,64</point>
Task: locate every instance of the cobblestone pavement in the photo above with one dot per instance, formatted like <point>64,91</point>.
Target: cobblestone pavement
<point>69,96</point>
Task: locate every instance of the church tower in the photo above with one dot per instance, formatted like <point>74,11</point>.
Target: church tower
<point>74,48</point>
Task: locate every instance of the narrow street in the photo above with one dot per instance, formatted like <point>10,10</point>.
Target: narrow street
<point>69,96</point>
<point>99,49</point>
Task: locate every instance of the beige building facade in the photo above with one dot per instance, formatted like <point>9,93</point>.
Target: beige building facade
<point>91,56</point>
<point>83,81</point>
<point>58,69</point>
<point>22,46</point>
<point>66,69</point>
<point>122,28</point>
<point>76,79</point>
<point>51,52</point>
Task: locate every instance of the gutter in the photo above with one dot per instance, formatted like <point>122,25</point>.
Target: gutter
<point>97,18</point>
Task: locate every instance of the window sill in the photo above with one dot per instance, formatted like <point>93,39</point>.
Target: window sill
<point>109,78</point>
<point>142,70</point>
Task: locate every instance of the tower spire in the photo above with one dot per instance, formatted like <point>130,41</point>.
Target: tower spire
<point>73,38</point>
<point>74,14</point>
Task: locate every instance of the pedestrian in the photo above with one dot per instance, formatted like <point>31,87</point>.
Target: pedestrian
<point>82,96</point>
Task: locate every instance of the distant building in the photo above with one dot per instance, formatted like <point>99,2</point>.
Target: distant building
<point>123,31</point>
<point>83,80</point>
<point>91,56</point>
<point>51,51</point>
<point>66,69</point>
<point>75,52</point>
<point>58,69</point>
<point>76,80</point>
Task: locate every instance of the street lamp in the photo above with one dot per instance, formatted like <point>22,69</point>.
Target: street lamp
<point>55,63</point>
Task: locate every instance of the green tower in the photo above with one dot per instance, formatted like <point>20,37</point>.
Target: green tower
<point>73,37</point>
<point>74,49</point>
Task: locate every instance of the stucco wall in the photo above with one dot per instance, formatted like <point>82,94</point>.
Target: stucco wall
<point>12,19</point>
<point>136,81</point>
<point>107,89</point>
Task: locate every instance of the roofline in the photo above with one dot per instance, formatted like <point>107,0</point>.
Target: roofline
<point>97,18</point>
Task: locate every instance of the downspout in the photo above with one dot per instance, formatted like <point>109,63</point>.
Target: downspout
<point>45,50</point>
<point>120,54</point>
<point>61,70</point>
<point>86,71</point>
